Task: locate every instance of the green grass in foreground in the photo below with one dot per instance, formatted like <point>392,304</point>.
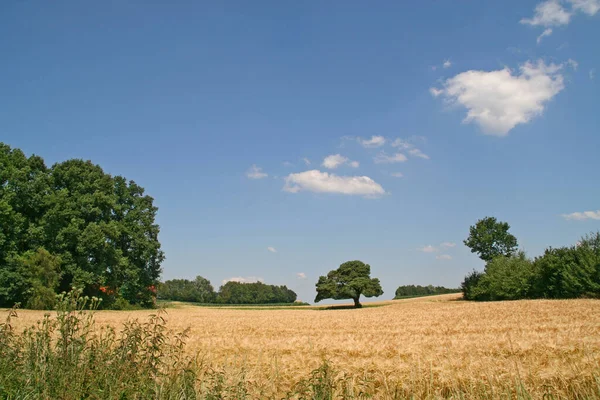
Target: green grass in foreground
<point>67,357</point>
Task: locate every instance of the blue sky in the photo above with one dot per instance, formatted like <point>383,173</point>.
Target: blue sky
<point>434,114</point>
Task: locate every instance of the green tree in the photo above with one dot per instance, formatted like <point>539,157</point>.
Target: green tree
<point>351,280</point>
<point>508,278</point>
<point>102,227</point>
<point>490,238</point>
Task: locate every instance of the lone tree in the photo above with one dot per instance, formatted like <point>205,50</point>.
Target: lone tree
<point>490,238</point>
<point>349,281</point>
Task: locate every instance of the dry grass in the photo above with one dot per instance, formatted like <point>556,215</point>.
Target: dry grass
<point>430,346</point>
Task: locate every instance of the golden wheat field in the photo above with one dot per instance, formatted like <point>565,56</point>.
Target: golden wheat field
<point>427,346</point>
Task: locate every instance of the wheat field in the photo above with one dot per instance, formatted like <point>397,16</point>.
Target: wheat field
<point>430,347</point>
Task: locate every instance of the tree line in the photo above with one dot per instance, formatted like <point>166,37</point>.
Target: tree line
<point>200,290</point>
<point>73,225</point>
<point>559,273</point>
<point>418,290</point>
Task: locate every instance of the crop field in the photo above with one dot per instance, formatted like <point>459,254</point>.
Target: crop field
<point>427,347</point>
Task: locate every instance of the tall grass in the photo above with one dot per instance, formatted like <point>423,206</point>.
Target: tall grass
<point>66,356</point>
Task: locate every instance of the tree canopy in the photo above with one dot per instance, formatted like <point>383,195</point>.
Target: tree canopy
<point>95,230</point>
<point>490,238</point>
<point>351,280</point>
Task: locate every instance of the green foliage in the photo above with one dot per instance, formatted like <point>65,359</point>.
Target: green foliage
<point>198,291</point>
<point>569,272</point>
<point>490,238</point>
<point>418,290</point>
<point>508,278</point>
<point>254,293</point>
<point>100,227</point>
<point>566,272</point>
<point>351,280</point>
<point>68,357</point>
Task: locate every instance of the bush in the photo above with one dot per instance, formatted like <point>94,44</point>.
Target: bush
<point>469,286</point>
<point>121,304</point>
<point>68,358</point>
<point>508,278</point>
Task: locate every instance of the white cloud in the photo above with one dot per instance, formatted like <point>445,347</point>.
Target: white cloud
<point>333,161</point>
<point>448,245</point>
<point>397,174</point>
<point>549,13</point>
<point>301,275</point>
<point>443,257</point>
<point>589,7</point>
<point>287,164</point>
<point>402,144</point>
<point>272,249</point>
<point>428,249</point>
<point>375,141</point>
<point>383,158</point>
<point>256,173</point>
<point>500,100</point>
<point>581,216</point>
<point>306,161</point>
<point>592,73</point>
<point>435,92</point>
<point>573,64</point>
<point>547,32</point>
<point>418,153</point>
<point>447,64</point>
<point>323,182</point>
<point>241,279</point>
<point>354,164</point>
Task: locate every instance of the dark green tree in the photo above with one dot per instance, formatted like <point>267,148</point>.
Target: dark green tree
<point>100,227</point>
<point>351,280</point>
<point>490,238</point>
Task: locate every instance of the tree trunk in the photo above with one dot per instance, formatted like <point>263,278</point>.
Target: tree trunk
<point>357,303</point>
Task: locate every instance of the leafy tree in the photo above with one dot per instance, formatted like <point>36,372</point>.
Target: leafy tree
<point>254,293</point>
<point>199,290</point>
<point>508,278</point>
<point>349,281</point>
<point>100,227</point>
<point>490,238</point>
<point>471,288</point>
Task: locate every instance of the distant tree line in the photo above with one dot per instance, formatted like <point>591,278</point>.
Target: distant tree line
<point>73,225</point>
<point>560,273</point>
<point>418,290</point>
<point>200,290</point>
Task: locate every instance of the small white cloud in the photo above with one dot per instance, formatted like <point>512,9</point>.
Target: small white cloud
<point>301,275</point>
<point>375,141</point>
<point>447,64</point>
<point>589,7</point>
<point>242,279</point>
<point>428,249</point>
<point>287,164</point>
<point>306,161</point>
<point>443,257</point>
<point>397,174</point>
<point>402,144</point>
<point>323,182</point>
<point>383,158</point>
<point>573,64</point>
<point>549,13</point>
<point>448,245</point>
<point>333,161</point>
<point>272,249</point>
<point>500,100</point>
<point>592,73</point>
<point>433,68</point>
<point>256,173</point>
<point>582,216</point>
<point>435,92</point>
<point>418,153</point>
<point>547,32</point>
